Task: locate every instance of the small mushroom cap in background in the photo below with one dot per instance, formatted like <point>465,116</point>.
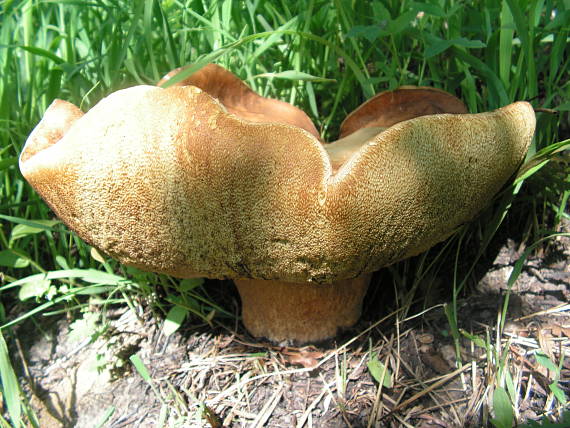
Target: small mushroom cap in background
<point>385,110</point>
<point>240,100</point>
<point>169,181</point>
<point>407,102</point>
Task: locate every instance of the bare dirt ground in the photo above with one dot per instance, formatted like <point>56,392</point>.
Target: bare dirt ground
<point>218,376</point>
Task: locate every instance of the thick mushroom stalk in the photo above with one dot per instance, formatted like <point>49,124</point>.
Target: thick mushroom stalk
<point>210,179</point>
<point>303,312</point>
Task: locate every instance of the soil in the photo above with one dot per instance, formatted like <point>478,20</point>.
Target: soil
<point>217,376</point>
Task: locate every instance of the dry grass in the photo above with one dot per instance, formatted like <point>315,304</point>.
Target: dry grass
<point>232,388</point>
<point>217,376</point>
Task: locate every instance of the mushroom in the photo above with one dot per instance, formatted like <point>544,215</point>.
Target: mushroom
<point>207,178</point>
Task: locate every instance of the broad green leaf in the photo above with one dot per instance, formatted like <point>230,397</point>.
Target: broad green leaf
<point>10,259</point>
<point>436,45</point>
<point>401,23</point>
<point>381,13</point>
<point>190,283</point>
<point>545,362</point>
<point>386,27</point>
<point>96,277</point>
<point>22,230</point>
<point>35,288</point>
<point>61,261</point>
<point>429,9</point>
<point>503,409</point>
<point>369,32</point>
<point>379,371</point>
<point>186,301</point>
<point>174,319</point>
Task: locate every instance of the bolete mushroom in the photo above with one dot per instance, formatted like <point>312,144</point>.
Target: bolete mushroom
<point>207,178</point>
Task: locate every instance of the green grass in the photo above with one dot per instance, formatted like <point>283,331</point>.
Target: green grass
<point>325,57</point>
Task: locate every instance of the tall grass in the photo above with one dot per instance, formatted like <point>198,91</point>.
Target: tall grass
<point>326,57</point>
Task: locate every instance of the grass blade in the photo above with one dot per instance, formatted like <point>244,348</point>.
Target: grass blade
<point>10,385</point>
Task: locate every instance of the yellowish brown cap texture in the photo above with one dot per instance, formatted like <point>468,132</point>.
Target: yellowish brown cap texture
<point>167,180</point>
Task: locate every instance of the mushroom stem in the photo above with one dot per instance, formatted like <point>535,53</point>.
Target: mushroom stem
<point>302,312</point>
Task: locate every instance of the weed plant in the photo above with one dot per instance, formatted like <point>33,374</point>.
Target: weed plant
<point>326,57</point>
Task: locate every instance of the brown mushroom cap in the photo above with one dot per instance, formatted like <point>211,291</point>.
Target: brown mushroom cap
<point>167,180</point>
<point>407,102</point>
<point>240,100</point>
